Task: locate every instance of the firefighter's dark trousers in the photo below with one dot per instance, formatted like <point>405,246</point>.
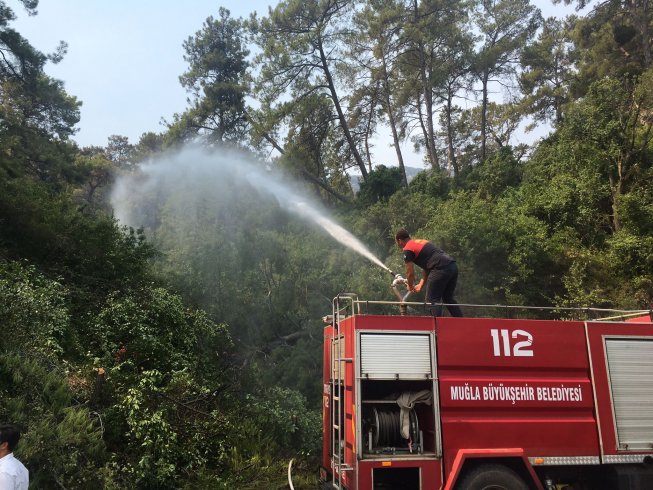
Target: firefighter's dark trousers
<point>440,286</point>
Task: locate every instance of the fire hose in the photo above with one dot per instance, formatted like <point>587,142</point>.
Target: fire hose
<point>290,475</point>
<point>397,284</point>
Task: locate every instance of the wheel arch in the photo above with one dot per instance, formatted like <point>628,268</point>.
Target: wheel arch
<point>467,460</point>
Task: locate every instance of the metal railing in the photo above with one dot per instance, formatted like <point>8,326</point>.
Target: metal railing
<point>501,311</point>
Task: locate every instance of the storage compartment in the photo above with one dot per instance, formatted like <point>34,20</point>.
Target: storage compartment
<point>383,421</point>
<point>396,391</point>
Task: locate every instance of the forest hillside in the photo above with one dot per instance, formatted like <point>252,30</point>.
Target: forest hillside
<point>161,299</point>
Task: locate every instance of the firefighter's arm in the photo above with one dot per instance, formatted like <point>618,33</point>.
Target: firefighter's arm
<point>410,277</point>
<point>420,284</point>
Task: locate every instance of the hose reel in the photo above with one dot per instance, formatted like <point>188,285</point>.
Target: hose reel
<point>383,428</point>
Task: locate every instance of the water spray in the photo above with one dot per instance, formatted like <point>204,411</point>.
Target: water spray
<point>194,165</point>
<point>301,207</point>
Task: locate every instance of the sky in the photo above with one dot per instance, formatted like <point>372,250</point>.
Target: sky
<point>124,57</point>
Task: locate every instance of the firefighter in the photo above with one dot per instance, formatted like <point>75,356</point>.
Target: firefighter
<point>440,272</point>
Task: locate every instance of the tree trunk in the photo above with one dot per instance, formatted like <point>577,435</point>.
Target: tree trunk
<point>373,103</point>
<point>393,123</point>
<point>484,104</point>
<point>428,101</point>
<point>420,116</point>
<point>428,106</point>
<point>616,190</point>
<point>341,116</point>
<point>309,176</point>
<point>451,151</point>
<point>91,192</point>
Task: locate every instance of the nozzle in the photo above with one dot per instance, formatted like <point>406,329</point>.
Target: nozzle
<point>399,279</point>
<point>398,284</point>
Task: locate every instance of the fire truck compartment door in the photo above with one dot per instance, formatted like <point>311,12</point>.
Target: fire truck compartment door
<point>396,356</point>
<point>630,366</point>
<point>621,356</point>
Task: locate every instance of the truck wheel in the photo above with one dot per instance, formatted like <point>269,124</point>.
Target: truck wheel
<point>492,477</point>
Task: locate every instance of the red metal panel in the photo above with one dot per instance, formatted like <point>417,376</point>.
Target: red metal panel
<point>515,384</point>
<point>396,323</point>
<point>349,478</point>
<point>596,334</point>
<point>640,319</point>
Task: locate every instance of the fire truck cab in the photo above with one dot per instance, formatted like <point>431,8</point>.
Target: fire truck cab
<point>417,402</point>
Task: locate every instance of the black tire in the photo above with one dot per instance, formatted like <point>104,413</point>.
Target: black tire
<point>492,477</point>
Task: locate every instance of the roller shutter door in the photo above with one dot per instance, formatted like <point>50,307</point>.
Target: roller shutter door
<point>630,367</point>
<point>395,356</point>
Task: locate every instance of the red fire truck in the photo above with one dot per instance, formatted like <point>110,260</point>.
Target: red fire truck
<point>421,403</point>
